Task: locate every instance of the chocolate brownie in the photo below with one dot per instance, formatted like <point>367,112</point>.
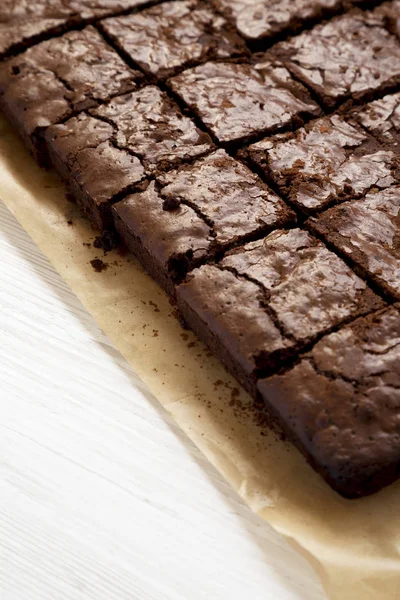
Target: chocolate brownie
<point>26,22</point>
<point>260,19</point>
<point>382,119</point>
<point>368,232</point>
<point>238,101</point>
<point>96,171</point>
<point>265,301</point>
<point>330,160</point>
<point>56,78</point>
<point>132,136</point>
<point>164,39</point>
<point>23,22</point>
<point>349,58</point>
<point>340,404</point>
<point>194,212</point>
<point>151,126</point>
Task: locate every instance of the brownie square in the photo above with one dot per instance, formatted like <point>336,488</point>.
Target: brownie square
<point>193,213</point>
<point>341,404</point>
<point>260,19</point>
<point>238,101</point>
<point>368,232</point>
<point>151,126</point>
<point>330,160</point>
<point>348,58</point>
<point>168,242</point>
<point>106,153</point>
<point>24,23</point>
<point>382,119</point>
<point>56,78</point>
<point>288,279</point>
<point>227,313</point>
<point>96,171</point>
<point>308,288</point>
<point>164,39</point>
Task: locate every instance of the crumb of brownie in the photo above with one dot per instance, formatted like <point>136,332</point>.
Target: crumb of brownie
<point>106,241</point>
<point>98,265</point>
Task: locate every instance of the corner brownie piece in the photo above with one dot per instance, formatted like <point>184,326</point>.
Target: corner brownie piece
<point>330,160</point>
<point>238,101</point>
<point>368,232</point>
<point>193,213</point>
<point>25,22</point>
<point>341,404</point>
<point>382,119</point>
<point>166,38</point>
<point>288,279</point>
<point>132,136</point>
<point>348,58</point>
<point>56,78</point>
<point>96,171</point>
<point>260,19</point>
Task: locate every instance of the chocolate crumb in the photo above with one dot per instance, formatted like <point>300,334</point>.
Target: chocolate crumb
<point>98,265</point>
<point>106,241</point>
<point>171,203</point>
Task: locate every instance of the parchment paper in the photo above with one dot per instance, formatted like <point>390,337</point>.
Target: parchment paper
<point>354,545</point>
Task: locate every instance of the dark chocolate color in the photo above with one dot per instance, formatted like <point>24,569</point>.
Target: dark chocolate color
<point>328,161</point>
<point>368,232</point>
<point>167,242</point>
<point>144,132</point>
<point>341,404</point>
<point>164,39</point>
<point>349,58</point>
<point>56,78</point>
<point>151,126</point>
<point>237,101</point>
<point>287,282</point>
<point>94,169</point>
<point>193,213</point>
<point>25,22</point>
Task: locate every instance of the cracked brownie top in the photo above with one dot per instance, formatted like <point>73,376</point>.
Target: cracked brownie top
<point>328,161</point>
<point>166,38</point>
<point>236,101</point>
<point>341,401</point>
<point>348,58</point>
<point>56,78</point>
<point>23,22</point>
<point>368,232</point>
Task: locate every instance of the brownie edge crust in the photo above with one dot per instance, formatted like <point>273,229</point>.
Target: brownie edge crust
<point>340,404</point>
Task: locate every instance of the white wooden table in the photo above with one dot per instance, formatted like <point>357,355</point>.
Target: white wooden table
<point>101,496</point>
